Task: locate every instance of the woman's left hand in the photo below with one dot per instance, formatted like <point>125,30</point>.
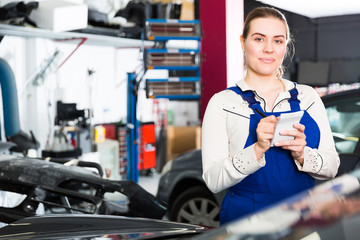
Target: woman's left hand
<point>297,145</point>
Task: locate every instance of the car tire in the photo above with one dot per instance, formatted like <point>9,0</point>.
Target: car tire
<point>196,206</point>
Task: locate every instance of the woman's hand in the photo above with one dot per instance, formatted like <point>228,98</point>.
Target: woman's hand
<point>297,145</point>
<point>265,132</point>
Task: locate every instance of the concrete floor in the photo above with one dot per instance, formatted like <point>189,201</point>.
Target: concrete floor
<point>150,183</point>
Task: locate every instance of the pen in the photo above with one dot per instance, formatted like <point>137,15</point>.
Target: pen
<point>260,113</point>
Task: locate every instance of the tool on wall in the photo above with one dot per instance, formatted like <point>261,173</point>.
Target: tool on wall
<point>69,122</point>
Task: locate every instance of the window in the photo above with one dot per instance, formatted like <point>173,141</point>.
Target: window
<point>344,118</point>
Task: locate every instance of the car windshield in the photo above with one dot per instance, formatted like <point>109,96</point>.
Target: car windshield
<point>344,117</point>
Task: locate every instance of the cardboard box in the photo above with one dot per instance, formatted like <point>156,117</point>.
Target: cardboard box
<point>182,139</point>
<point>187,10</point>
<point>60,15</point>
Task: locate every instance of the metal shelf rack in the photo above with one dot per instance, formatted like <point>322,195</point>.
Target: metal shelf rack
<point>170,29</point>
<point>178,87</point>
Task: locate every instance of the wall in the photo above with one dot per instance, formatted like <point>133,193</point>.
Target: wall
<point>105,93</point>
<point>326,39</point>
<point>222,58</point>
<point>213,49</point>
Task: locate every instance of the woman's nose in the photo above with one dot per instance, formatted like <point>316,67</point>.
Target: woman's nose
<point>268,47</point>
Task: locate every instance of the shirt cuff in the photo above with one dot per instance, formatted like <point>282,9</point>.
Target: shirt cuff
<point>245,162</point>
<point>312,161</point>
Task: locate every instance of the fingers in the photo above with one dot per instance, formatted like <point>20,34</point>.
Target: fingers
<point>270,119</point>
<point>294,148</point>
<point>297,145</point>
<point>266,128</point>
<point>298,142</point>
<point>265,131</point>
<point>299,127</point>
<point>297,133</point>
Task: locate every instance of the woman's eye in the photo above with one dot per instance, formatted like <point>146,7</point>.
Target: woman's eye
<point>279,41</point>
<point>258,39</point>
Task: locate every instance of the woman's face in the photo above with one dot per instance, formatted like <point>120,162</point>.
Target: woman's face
<point>265,46</point>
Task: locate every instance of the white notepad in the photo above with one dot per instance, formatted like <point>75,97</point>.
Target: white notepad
<point>286,122</point>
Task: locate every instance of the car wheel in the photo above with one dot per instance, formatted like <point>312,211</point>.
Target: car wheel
<point>197,206</point>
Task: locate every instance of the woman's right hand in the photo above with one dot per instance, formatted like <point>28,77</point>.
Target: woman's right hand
<point>265,132</point>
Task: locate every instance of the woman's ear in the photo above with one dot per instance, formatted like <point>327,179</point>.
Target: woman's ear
<point>242,41</point>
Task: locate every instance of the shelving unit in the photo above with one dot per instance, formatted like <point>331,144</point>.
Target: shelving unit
<point>173,59</point>
<point>167,29</point>
<point>185,84</point>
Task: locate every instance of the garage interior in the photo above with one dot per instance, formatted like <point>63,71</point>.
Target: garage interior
<point>88,84</point>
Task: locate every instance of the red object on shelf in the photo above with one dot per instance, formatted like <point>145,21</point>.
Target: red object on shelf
<point>147,148</point>
<point>110,130</point>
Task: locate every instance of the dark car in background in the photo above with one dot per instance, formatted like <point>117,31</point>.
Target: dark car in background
<point>182,187</point>
<point>190,201</point>
<point>343,110</point>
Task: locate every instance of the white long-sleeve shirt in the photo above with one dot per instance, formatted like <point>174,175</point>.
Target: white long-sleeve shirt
<point>225,130</point>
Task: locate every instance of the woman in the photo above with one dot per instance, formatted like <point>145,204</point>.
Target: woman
<point>236,140</point>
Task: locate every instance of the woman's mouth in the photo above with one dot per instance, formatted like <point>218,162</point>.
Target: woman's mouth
<point>267,60</point>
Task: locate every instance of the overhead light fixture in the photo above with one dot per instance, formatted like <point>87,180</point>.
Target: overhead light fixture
<point>317,8</point>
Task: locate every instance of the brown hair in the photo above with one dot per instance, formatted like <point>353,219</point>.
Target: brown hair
<point>269,12</point>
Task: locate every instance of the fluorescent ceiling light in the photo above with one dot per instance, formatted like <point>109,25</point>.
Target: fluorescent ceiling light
<point>317,8</point>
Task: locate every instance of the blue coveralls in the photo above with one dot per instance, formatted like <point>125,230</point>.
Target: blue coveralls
<point>279,178</point>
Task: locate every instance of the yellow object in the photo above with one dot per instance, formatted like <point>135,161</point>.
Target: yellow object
<point>99,134</point>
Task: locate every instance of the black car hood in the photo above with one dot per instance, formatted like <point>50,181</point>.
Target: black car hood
<point>83,226</point>
<point>48,183</point>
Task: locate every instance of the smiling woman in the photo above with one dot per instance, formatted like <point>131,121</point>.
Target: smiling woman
<point>236,140</point>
